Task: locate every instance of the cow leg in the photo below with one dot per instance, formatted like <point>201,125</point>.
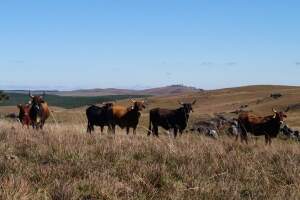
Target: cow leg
<point>181,131</point>
<point>113,127</point>
<point>134,130</point>
<point>89,130</point>
<point>42,125</point>
<point>150,129</point>
<point>102,127</point>
<point>267,138</point>
<point>155,130</point>
<point>127,130</point>
<point>109,128</point>
<point>175,132</point>
<point>244,136</point>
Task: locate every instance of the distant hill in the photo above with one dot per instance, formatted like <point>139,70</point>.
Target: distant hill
<point>166,91</point>
<point>159,91</point>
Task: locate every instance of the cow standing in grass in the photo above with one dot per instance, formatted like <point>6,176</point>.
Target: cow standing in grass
<point>39,111</point>
<point>269,126</point>
<point>170,119</point>
<point>99,116</point>
<point>127,117</point>
<point>24,114</point>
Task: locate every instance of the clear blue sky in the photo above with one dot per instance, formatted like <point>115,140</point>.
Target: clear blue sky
<point>67,44</point>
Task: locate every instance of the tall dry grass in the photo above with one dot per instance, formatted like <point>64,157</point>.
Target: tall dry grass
<point>63,162</point>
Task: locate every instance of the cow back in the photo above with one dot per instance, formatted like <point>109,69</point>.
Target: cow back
<point>119,111</point>
<point>45,114</point>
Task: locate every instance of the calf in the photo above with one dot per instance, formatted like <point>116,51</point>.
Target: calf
<point>24,114</point>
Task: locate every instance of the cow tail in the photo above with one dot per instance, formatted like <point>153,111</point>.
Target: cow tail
<point>242,131</point>
<point>239,130</point>
<point>150,123</point>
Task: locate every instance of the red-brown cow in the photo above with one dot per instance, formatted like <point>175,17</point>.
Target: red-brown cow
<point>269,126</point>
<point>127,117</point>
<point>24,114</point>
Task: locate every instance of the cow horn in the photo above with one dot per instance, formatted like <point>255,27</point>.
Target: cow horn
<point>181,103</point>
<point>30,95</point>
<point>193,103</point>
<point>287,109</point>
<point>133,101</point>
<point>275,111</point>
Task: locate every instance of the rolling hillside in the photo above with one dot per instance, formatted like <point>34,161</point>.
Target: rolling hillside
<point>208,103</point>
<point>167,90</point>
<point>64,162</point>
<point>67,102</point>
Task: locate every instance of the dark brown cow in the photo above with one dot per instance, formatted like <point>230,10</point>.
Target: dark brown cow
<point>39,111</point>
<point>99,116</point>
<point>24,114</point>
<point>269,126</point>
<point>127,117</point>
<point>170,119</point>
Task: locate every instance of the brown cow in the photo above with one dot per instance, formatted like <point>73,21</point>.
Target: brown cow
<point>269,126</point>
<point>127,117</point>
<point>39,111</point>
<point>24,114</point>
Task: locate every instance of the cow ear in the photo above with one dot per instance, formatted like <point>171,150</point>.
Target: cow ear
<point>30,95</point>
<point>180,102</point>
<point>194,102</point>
<point>287,109</point>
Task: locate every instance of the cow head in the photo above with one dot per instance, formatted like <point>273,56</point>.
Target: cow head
<point>279,116</point>
<point>108,104</point>
<point>36,102</point>
<point>23,108</point>
<point>138,105</point>
<point>188,107</point>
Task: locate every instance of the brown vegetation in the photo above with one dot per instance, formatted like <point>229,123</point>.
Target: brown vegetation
<point>62,162</point>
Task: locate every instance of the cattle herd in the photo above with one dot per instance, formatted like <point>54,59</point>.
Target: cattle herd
<point>36,112</point>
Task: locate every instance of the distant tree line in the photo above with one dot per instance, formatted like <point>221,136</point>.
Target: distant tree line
<point>65,101</point>
<point>3,96</point>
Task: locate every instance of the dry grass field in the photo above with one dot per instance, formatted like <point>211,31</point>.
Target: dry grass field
<point>63,162</point>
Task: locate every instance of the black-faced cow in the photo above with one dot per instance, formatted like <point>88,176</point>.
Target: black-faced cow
<point>170,119</point>
<point>39,111</point>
